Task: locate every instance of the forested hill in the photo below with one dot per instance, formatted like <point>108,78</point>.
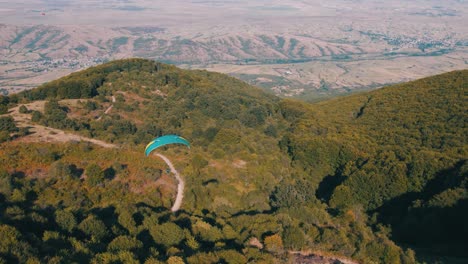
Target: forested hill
<point>400,153</point>
<point>355,177</point>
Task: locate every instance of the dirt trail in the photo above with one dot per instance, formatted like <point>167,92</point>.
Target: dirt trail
<point>180,185</point>
<point>47,134</point>
<point>309,257</point>
<point>108,109</point>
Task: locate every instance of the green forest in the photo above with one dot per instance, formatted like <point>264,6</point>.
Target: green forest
<point>375,177</point>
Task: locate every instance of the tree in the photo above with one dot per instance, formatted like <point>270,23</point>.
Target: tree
<point>94,228</point>
<point>198,162</point>
<point>175,260</point>
<point>126,220</point>
<point>167,234</point>
<point>289,195</point>
<point>3,109</point>
<point>274,243</point>
<point>23,109</point>
<point>232,257</point>
<point>192,243</point>
<point>6,183</point>
<point>60,170</point>
<point>342,197</point>
<point>206,231</point>
<point>4,136</point>
<point>10,237</point>
<point>7,123</point>
<point>94,174</point>
<point>36,116</point>
<point>293,238</point>
<point>65,220</point>
<point>124,243</point>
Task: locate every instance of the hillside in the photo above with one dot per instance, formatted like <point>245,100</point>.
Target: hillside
<point>399,153</point>
<point>266,179</point>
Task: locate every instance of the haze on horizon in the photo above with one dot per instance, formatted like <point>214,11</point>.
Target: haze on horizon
<point>223,12</point>
<point>289,47</point>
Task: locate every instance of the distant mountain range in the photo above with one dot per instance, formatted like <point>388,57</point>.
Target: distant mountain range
<point>293,64</point>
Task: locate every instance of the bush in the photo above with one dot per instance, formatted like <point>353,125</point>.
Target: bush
<point>65,220</point>
<point>23,109</point>
<point>94,174</point>
<point>293,238</point>
<point>36,116</point>
<point>274,243</point>
<point>4,136</point>
<point>7,123</point>
<point>167,234</point>
<point>3,109</point>
<point>94,228</point>
<point>175,260</point>
<point>124,243</point>
<point>10,237</point>
<point>60,170</point>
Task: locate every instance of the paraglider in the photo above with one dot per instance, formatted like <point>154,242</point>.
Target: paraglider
<point>165,140</point>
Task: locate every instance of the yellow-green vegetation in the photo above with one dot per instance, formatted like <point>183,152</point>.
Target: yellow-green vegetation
<point>357,176</point>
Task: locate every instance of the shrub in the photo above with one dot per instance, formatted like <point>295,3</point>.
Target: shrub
<point>94,228</point>
<point>274,243</point>
<point>293,238</point>
<point>65,220</point>
<point>94,174</point>
<point>23,109</point>
<point>167,234</point>
<point>7,123</point>
<point>124,243</point>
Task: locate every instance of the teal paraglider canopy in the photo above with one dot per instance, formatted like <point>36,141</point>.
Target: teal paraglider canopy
<point>165,140</point>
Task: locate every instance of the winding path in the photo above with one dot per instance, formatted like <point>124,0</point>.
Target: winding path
<point>48,134</point>
<point>108,109</point>
<point>180,185</point>
<point>39,133</point>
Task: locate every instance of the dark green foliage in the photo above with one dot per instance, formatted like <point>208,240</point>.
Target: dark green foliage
<point>6,183</point>
<point>291,195</point>
<point>125,243</point>
<point>167,234</point>
<point>271,130</point>
<point>7,123</point>
<point>85,85</point>
<point>65,220</point>
<point>293,238</point>
<point>9,241</point>
<point>94,174</point>
<point>7,126</point>
<point>387,150</point>
<point>232,257</point>
<point>385,164</point>
<point>36,116</point>
<point>55,116</point>
<point>60,170</point>
<point>4,136</point>
<point>3,109</point>
<point>4,100</point>
<point>23,109</point>
<point>94,228</point>
<point>90,105</point>
<point>198,162</point>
